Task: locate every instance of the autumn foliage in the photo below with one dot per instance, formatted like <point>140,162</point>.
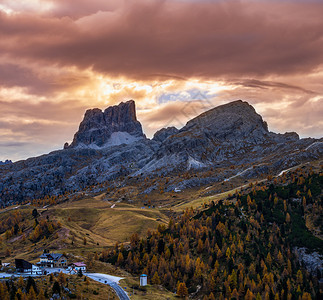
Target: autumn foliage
<point>237,250</point>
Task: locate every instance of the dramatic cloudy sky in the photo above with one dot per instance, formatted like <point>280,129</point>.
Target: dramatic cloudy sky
<point>176,58</point>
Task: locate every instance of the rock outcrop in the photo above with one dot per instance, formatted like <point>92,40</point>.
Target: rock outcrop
<point>116,125</point>
<point>164,133</point>
<point>236,120</point>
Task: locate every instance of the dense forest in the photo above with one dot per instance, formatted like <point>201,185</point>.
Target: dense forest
<point>241,248</point>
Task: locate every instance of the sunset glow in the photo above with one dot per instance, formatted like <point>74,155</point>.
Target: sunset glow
<point>59,58</point>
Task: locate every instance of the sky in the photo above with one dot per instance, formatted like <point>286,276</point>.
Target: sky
<point>175,58</point>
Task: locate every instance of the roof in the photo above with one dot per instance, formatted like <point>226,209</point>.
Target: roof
<point>56,256</point>
<point>52,256</point>
<point>79,264</point>
<point>22,264</point>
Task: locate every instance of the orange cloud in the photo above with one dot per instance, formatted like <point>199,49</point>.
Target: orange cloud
<point>186,39</point>
<point>58,58</point>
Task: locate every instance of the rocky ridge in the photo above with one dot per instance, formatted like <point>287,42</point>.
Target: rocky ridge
<point>7,161</point>
<point>111,147</point>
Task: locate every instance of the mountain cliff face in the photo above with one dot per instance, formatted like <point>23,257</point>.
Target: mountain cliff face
<point>116,125</point>
<point>111,147</point>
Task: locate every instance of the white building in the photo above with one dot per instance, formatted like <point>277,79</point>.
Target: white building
<point>75,267</point>
<point>53,260</point>
<point>143,279</point>
<point>23,266</point>
<point>5,265</point>
<point>35,270</point>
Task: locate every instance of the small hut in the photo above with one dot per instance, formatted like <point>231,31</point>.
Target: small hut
<point>143,279</point>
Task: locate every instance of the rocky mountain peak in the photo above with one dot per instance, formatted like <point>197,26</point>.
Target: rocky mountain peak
<point>115,125</point>
<point>235,120</point>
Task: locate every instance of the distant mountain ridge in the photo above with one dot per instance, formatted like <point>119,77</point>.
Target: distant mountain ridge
<point>7,161</point>
<point>227,141</point>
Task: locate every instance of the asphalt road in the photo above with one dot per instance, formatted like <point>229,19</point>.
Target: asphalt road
<point>106,280</point>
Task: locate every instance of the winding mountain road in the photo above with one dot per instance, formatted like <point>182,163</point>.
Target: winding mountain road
<point>111,281</point>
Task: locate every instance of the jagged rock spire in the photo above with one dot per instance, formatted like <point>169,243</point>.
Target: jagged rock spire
<point>98,126</point>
